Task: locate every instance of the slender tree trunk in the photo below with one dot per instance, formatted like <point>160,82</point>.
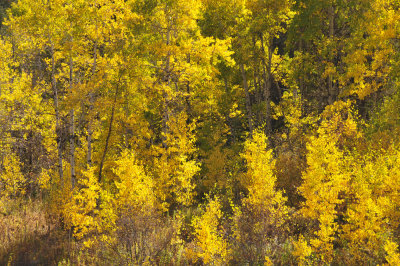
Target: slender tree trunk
<point>56,108</point>
<point>256,77</point>
<point>72,147</point>
<point>167,79</point>
<point>332,90</point>
<point>91,102</point>
<point>187,98</point>
<point>301,81</point>
<point>165,119</point>
<point>267,83</point>
<point>228,119</point>
<point>72,128</point>
<point>108,135</point>
<point>248,100</point>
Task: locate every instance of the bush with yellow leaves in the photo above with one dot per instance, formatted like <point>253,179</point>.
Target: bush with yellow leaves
<point>90,211</point>
<point>260,180</point>
<point>326,181</point>
<point>211,247</point>
<point>258,223</point>
<point>12,181</point>
<point>372,215</point>
<point>135,188</point>
<point>175,165</point>
<point>141,231</point>
<point>393,255</point>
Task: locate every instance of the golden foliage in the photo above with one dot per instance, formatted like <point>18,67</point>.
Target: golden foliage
<point>90,211</point>
<point>12,181</point>
<point>135,187</point>
<point>260,180</point>
<point>211,246</point>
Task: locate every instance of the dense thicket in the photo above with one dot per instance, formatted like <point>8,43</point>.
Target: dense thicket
<point>200,132</point>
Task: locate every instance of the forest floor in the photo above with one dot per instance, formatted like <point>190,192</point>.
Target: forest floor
<point>29,237</point>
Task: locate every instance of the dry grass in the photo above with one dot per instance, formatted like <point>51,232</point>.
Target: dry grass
<point>27,237</point>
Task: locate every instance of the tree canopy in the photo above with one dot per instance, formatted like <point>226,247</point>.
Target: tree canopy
<point>199,132</point>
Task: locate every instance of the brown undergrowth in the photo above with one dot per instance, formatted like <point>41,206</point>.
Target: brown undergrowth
<point>28,237</point>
